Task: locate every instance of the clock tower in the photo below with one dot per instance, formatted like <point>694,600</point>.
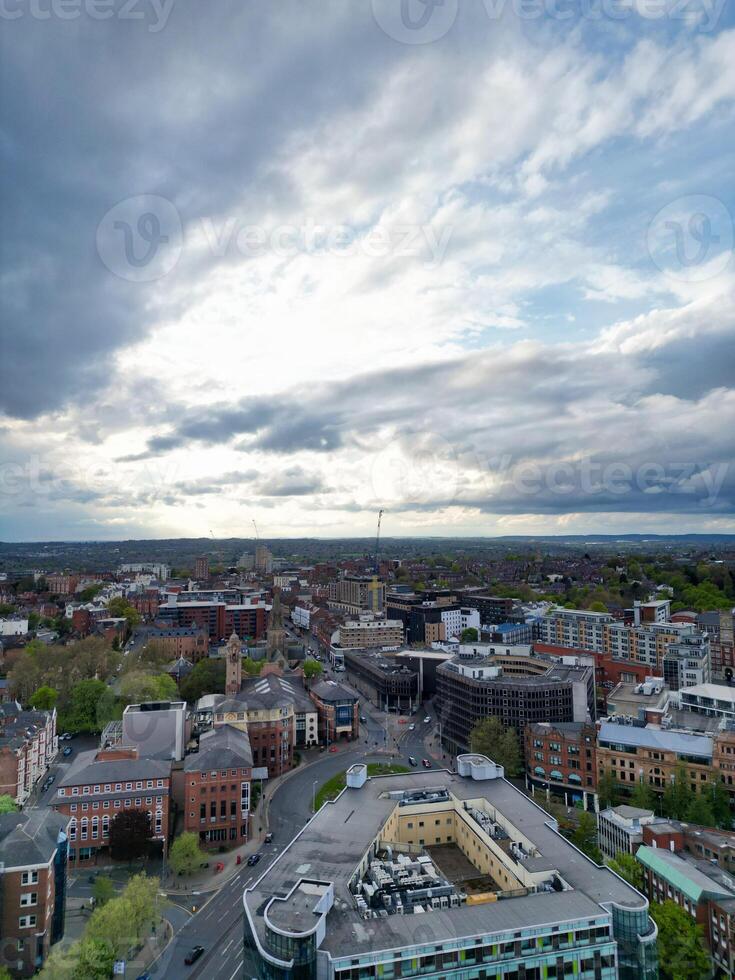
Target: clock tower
<point>233,659</point>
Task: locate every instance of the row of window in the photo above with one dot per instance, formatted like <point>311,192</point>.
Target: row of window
<point>108,787</point>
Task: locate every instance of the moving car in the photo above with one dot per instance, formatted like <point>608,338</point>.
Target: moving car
<point>411,728</point>
<point>253,860</point>
<point>68,750</point>
<point>412,761</point>
<point>363,719</point>
<point>426,764</point>
<point>268,837</point>
<point>193,955</point>
<point>427,720</point>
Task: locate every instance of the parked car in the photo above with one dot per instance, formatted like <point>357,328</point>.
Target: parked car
<point>411,728</point>
<point>412,761</point>
<point>50,779</point>
<point>144,976</point>
<point>268,837</point>
<point>332,748</point>
<point>65,736</point>
<point>426,764</point>
<point>68,750</point>
<point>253,860</point>
<point>193,955</point>
<point>363,719</point>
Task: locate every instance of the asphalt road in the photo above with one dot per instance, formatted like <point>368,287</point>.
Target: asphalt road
<point>217,925</point>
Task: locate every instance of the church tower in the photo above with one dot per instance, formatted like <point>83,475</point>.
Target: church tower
<point>233,660</point>
<point>276,634</point>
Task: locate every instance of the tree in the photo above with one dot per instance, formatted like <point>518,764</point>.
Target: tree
<point>681,951</point>
<point>627,867</point>
<point>83,713</point>
<point>207,677</point>
<point>44,698</point>
<point>469,635</point>
<point>721,805</point>
<point>491,738</point>
<point>186,855</point>
<point>138,686</point>
<point>252,667</point>
<point>141,895</point>
<point>111,926</point>
<point>608,790</point>
<point>644,797</point>
<point>86,595</point>
<point>130,832</point>
<point>585,836</point>
<point>103,890</point>
<point>312,669</point>
<point>677,796</point>
<point>700,811</point>
<point>121,609</point>
<point>7,803</point>
<point>597,606</point>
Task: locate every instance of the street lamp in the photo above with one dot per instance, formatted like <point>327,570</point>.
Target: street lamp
<point>313,796</point>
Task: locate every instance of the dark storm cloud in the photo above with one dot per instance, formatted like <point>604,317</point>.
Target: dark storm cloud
<point>95,112</point>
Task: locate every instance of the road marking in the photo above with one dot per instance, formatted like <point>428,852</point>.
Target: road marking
<point>227,946</point>
<point>238,968</point>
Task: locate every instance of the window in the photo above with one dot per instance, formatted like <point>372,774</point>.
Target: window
<point>29,898</point>
<point>29,878</point>
<point>26,921</point>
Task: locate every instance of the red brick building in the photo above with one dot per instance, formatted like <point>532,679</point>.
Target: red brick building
<point>217,787</point>
<point>560,757</point>
<point>33,859</point>
<point>339,711</point>
<point>102,783</point>
<point>28,746</point>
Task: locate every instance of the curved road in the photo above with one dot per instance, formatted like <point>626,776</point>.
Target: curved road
<point>218,924</point>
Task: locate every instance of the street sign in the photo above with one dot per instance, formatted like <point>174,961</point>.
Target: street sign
<point>118,968</point>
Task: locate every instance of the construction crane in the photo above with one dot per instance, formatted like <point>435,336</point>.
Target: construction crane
<point>377,543</point>
<point>257,536</point>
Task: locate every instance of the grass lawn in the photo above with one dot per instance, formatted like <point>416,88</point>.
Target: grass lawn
<point>334,786</point>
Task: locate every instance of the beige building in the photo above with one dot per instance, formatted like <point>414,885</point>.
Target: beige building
<point>369,634</point>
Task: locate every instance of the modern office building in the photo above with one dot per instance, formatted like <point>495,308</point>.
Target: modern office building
<point>687,662</point>
<point>620,828</point>
<point>441,874</point>
<point>157,728</point>
<point>472,688</point>
<point>385,681</point>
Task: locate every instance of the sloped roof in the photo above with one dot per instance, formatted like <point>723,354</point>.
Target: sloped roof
<point>28,838</point>
<point>224,747</point>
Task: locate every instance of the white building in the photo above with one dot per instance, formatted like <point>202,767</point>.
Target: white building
<point>620,828</point>
<point>712,700</point>
<point>13,627</point>
<point>301,616</point>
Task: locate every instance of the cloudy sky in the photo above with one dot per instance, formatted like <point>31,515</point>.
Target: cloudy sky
<point>469,261</point>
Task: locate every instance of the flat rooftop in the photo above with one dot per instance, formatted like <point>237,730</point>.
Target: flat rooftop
<point>336,840</point>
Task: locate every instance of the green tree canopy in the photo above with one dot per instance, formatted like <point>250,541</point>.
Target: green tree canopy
<point>7,803</point>
<point>469,635</point>
<point>491,738</point>
<point>628,868</point>
<point>138,686</point>
<point>44,698</point>
<point>645,797</point>
<point>103,890</point>
<point>252,667</point>
<point>681,951</point>
<point>608,790</point>
<point>312,669</point>
<point>186,855</point>
<point>584,836</point>
<point>121,608</point>
<point>83,712</point>
<point>207,677</point>
<point>677,796</point>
